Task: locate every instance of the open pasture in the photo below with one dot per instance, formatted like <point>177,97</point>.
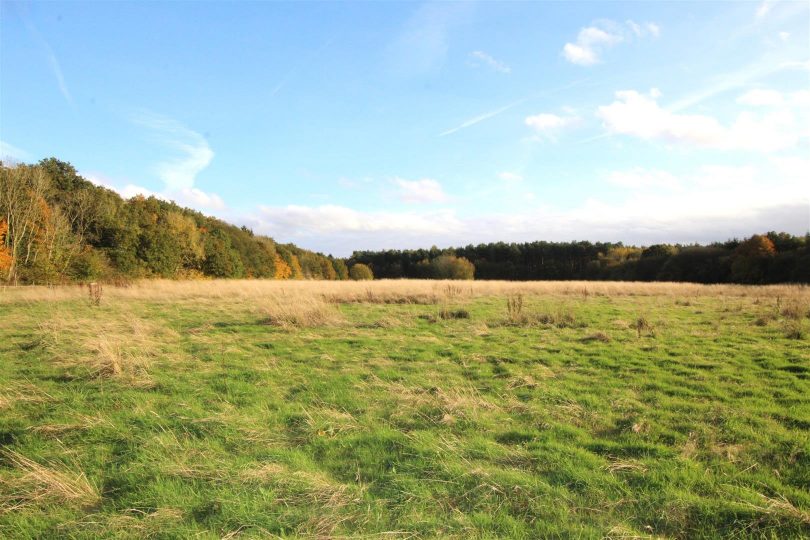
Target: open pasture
<point>405,409</point>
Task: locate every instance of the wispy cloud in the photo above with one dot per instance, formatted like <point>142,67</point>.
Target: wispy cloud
<point>510,177</point>
<point>727,81</point>
<point>593,40</point>
<point>425,190</point>
<point>491,114</point>
<point>11,152</point>
<point>478,58</point>
<point>194,152</point>
<point>421,46</point>
<point>53,61</point>
<point>764,8</point>
<point>299,66</point>
<point>192,155</point>
<point>60,78</point>
<point>481,117</point>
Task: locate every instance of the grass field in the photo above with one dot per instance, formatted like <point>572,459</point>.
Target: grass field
<point>405,410</point>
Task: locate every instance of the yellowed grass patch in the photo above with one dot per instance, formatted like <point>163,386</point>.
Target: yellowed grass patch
<point>36,484</point>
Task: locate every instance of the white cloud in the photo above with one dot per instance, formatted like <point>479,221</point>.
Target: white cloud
<point>593,40</point>
<point>548,125</point>
<point>650,205</point>
<point>193,154</point>
<point>579,54</point>
<point>425,190</point>
<point>761,97</point>
<point>641,116</point>
<point>131,190</point>
<point>199,199</point>
<point>784,36</point>
<point>480,57</point>
<point>641,178</point>
<point>511,177</point>
<point>764,8</point>
<point>9,152</point>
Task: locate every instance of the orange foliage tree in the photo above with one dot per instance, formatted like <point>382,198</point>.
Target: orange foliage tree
<point>5,252</point>
<point>283,270</point>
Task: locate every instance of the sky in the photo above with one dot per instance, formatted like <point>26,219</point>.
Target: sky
<point>344,126</point>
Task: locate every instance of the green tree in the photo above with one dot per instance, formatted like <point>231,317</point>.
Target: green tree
<point>220,259</point>
<point>341,269</point>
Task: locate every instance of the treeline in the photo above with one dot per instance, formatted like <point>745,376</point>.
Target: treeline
<point>769,258</point>
<point>57,227</point>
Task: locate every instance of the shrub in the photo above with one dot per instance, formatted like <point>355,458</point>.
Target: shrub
<point>360,271</point>
<point>451,267</point>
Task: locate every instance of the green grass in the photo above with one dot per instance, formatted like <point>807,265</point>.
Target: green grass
<point>392,421</point>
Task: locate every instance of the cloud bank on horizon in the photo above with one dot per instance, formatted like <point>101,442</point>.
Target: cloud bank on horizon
<point>433,125</point>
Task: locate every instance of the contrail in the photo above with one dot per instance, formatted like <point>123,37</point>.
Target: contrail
<point>496,112</point>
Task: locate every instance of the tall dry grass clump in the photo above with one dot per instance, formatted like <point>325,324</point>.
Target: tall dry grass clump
<point>514,309</point>
<point>95,292</point>
<point>301,311</point>
<point>36,484</point>
<point>121,347</point>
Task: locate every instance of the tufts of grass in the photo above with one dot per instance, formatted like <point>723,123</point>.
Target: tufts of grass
<point>644,327</point>
<point>561,318</point>
<point>597,336</point>
<point>33,484</point>
<point>795,310</point>
<point>301,312</point>
<point>447,313</point>
<point>794,329</point>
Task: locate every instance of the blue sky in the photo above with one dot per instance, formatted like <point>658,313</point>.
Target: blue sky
<point>343,126</point>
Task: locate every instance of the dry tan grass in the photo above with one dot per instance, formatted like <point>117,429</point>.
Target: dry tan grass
<point>121,346</point>
<point>131,523</point>
<point>82,423</point>
<point>336,502</point>
<point>396,291</point>
<point>452,403</point>
<point>301,312</point>
<point>620,532</point>
<point>617,465</point>
<point>25,393</point>
<point>40,484</point>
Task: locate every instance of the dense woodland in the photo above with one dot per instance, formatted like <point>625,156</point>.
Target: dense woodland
<point>57,227</point>
<point>769,258</point>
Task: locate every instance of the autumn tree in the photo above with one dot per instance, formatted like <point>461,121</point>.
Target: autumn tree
<point>452,267</point>
<point>5,250</point>
<point>282,269</point>
<point>360,272</point>
<point>21,195</point>
<point>751,258</point>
